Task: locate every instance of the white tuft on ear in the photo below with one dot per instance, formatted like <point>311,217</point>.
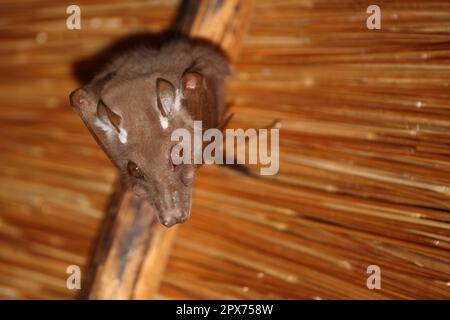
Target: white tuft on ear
<point>123,135</point>
<point>164,122</point>
<point>177,105</point>
<point>111,131</point>
<point>108,130</point>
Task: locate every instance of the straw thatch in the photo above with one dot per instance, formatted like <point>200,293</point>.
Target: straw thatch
<point>365,162</point>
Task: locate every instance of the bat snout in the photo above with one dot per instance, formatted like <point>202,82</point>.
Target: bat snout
<point>173,217</point>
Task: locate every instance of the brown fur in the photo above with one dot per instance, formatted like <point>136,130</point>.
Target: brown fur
<point>132,92</point>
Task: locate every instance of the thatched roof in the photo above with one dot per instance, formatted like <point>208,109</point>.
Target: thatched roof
<point>365,163</point>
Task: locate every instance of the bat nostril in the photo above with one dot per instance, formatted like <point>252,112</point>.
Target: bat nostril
<point>170,221</point>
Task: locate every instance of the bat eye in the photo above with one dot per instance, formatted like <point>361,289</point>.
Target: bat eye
<point>134,170</point>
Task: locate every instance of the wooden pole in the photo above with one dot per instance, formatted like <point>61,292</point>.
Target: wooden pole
<point>221,22</point>
<point>133,250</point>
<point>132,253</point>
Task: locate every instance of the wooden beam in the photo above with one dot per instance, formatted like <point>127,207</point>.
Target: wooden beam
<point>221,22</point>
<point>134,248</point>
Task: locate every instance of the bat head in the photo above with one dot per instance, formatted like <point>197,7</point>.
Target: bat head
<point>132,107</point>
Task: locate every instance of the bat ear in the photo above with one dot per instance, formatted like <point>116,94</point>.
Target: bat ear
<point>209,62</point>
<point>81,100</point>
<point>108,117</point>
<point>192,81</point>
<point>202,86</point>
<point>166,96</point>
<point>85,104</point>
<point>102,122</point>
<point>84,100</point>
<point>209,68</point>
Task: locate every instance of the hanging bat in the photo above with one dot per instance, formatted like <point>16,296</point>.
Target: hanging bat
<point>134,104</point>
